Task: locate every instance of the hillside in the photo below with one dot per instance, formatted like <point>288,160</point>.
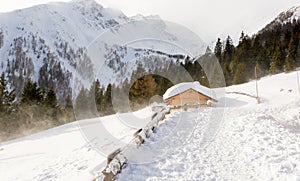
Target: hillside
<point>288,16</point>
<point>64,152</point>
<point>272,50</point>
<point>51,44</point>
<point>78,61</point>
<point>253,141</point>
<point>63,48</point>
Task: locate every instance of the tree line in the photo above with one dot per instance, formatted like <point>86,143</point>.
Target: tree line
<point>35,110</point>
<point>139,89</point>
<point>271,51</point>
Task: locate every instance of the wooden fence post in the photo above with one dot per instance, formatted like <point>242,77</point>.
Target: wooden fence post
<point>258,101</point>
<point>298,82</point>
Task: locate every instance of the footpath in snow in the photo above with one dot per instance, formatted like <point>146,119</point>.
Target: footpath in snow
<point>253,142</point>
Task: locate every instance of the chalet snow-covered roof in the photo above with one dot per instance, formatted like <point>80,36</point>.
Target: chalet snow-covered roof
<point>184,86</point>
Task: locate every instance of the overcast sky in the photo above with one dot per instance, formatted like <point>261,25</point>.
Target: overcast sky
<point>208,18</point>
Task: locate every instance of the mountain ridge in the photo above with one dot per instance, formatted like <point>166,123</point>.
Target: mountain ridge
<point>287,16</point>
<point>51,44</point>
<point>59,34</point>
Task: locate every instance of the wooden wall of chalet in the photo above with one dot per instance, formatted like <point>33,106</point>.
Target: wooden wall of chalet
<point>189,97</point>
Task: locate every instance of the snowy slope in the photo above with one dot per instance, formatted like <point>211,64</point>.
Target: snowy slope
<point>254,142</point>
<point>63,153</point>
<point>285,17</point>
<point>38,40</point>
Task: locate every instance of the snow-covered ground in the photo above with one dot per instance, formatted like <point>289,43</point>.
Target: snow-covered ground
<point>63,153</point>
<point>253,142</point>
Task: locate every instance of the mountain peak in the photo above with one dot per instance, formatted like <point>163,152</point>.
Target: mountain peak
<point>85,3</point>
<point>287,16</point>
<point>296,11</point>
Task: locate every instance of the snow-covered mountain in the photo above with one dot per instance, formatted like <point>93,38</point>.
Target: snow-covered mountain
<point>285,17</point>
<point>50,43</point>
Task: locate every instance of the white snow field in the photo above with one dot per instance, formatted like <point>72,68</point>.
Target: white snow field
<point>253,142</point>
<point>63,153</point>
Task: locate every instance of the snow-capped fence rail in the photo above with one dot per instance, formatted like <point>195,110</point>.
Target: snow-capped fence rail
<point>245,94</point>
<point>117,160</point>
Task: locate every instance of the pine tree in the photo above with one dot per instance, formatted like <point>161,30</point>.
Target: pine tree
<point>240,74</point>
<point>218,49</point>
<point>143,89</point>
<point>228,50</point>
<point>81,102</point>
<point>227,58</point>
<point>290,61</point>
<point>276,64</point>
<point>162,85</point>
<point>107,101</point>
<point>95,96</point>
<point>69,103</point>
<point>7,97</point>
<point>51,99</point>
<point>31,94</point>
<point>242,37</point>
<point>98,95</point>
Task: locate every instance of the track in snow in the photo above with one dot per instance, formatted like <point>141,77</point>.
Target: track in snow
<point>254,142</point>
